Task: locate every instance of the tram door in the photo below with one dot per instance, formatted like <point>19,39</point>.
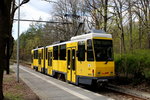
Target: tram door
<point>71,70</point>
<point>42,61</point>
<point>50,57</point>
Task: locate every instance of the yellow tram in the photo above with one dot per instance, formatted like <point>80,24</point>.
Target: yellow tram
<point>85,59</point>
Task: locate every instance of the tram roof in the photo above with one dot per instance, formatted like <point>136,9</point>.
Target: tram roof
<point>91,35</point>
<point>81,38</point>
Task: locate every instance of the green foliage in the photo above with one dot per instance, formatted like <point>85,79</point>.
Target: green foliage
<point>147,73</point>
<point>13,96</point>
<point>134,65</point>
<point>30,39</point>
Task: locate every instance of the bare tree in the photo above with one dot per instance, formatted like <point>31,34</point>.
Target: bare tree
<point>130,5</point>
<point>69,11</point>
<point>142,10</point>
<point>118,12</point>
<point>99,13</point>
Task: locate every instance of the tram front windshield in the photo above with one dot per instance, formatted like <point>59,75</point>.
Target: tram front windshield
<point>103,50</point>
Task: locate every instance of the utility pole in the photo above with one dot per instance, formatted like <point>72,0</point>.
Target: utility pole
<point>18,41</point>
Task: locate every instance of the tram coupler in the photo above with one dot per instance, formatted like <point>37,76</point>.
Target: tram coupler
<point>102,82</point>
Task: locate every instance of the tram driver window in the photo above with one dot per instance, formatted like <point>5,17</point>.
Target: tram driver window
<point>90,56</point>
<point>81,51</point>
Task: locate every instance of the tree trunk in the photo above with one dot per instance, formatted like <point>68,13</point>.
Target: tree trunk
<point>130,24</point>
<point>105,15</point>
<point>1,82</point>
<point>4,37</point>
<point>3,41</point>
<point>7,58</point>
<point>123,41</point>
<point>148,24</point>
<point>7,11</point>
<point>140,33</point>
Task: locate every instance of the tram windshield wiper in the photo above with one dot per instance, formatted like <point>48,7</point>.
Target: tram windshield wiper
<point>108,59</point>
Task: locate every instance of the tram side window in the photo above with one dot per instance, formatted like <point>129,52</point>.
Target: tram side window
<point>46,53</point>
<point>55,52</point>
<point>42,54</point>
<point>90,56</point>
<point>33,54</point>
<point>63,52</point>
<point>36,54</point>
<point>73,59</point>
<point>81,51</point>
<point>68,56</point>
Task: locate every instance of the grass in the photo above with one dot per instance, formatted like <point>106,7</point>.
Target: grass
<point>11,88</point>
<point>12,96</point>
<point>8,79</point>
<point>147,73</point>
<point>11,71</point>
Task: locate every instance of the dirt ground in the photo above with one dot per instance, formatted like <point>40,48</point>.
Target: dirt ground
<point>17,91</point>
<point>143,87</point>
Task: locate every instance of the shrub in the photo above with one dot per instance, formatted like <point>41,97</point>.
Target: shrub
<point>135,65</point>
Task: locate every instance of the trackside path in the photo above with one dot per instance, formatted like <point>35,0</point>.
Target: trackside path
<point>48,88</point>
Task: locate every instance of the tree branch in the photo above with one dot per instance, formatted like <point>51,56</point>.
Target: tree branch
<point>22,3</point>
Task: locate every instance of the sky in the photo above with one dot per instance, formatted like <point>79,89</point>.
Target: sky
<point>33,10</point>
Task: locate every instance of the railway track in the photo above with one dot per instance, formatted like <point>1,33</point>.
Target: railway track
<point>135,93</point>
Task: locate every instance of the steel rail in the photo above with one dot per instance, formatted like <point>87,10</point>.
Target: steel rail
<point>143,95</point>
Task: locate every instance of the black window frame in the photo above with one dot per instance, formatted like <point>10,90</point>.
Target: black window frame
<point>90,53</point>
<point>55,52</point>
<point>62,54</point>
<point>105,50</point>
<point>46,53</point>
<point>73,59</point>
<point>81,51</point>
<point>68,58</point>
<point>50,56</point>
<point>42,52</point>
<point>35,54</point>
